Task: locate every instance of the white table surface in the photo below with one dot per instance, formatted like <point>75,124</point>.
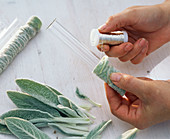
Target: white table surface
<point>48,60</point>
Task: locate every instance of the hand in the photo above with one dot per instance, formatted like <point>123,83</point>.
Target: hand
<point>147,102</point>
<point>148,28</point>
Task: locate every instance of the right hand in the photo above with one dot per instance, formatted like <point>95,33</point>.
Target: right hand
<point>148,28</point>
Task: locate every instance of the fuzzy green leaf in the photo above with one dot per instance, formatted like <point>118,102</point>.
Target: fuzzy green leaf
<point>24,129</point>
<point>130,134</point>
<point>40,125</point>
<point>62,120</point>
<point>74,126</point>
<point>23,100</point>
<point>26,114</point>
<point>82,96</point>
<point>98,130</point>
<point>68,103</point>
<point>63,128</point>
<point>67,111</point>
<point>38,91</point>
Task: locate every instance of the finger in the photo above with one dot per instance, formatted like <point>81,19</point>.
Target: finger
<point>138,46</point>
<point>103,47</point>
<point>113,97</point>
<point>145,78</point>
<point>140,56</point>
<point>131,84</point>
<point>116,22</point>
<point>118,107</point>
<point>120,50</point>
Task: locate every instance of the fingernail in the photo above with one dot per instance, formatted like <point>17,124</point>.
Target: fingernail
<point>115,77</point>
<point>102,27</point>
<point>128,47</point>
<point>142,42</point>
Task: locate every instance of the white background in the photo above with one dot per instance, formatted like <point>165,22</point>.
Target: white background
<point>48,60</point>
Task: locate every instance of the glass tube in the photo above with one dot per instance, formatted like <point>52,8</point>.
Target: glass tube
<point>78,47</point>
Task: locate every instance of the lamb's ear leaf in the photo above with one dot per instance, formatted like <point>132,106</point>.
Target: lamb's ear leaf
<point>23,100</point>
<point>98,130</point>
<point>27,114</point>
<point>24,129</point>
<point>38,91</point>
<point>66,130</point>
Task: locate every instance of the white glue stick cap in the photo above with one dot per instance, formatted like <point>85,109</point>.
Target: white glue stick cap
<point>94,37</point>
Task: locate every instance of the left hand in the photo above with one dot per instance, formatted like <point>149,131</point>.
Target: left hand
<point>147,101</point>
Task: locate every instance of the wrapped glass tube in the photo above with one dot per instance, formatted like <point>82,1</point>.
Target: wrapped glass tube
<point>15,39</point>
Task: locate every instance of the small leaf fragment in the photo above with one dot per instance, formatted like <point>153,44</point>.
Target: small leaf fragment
<point>82,96</point>
<point>130,134</point>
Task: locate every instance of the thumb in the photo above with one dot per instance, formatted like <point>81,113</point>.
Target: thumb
<point>116,22</point>
<point>131,84</point>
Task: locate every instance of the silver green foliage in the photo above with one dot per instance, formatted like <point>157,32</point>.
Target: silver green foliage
<point>82,121</point>
<point>68,130</point>
<point>67,111</point>
<point>23,129</point>
<point>26,114</point>
<point>38,91</point>
<point>23,100</point>
<point>103,70</point>
<point>37,108</point>
<point>52,98</point>
<point>18,42</point>
<point>98,130</point>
